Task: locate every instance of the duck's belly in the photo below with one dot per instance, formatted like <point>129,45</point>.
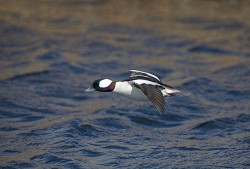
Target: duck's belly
<point>138,95</point>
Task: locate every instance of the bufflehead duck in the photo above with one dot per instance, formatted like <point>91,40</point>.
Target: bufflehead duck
<point>140,86</point>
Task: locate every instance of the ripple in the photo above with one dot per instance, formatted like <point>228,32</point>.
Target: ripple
<point>217,124</point>
<point>170,117</point>
<point>18,164</point>
<point>241,69</point>
<point>213,24</point>
<point>161,42</point>
<point>90,153</point>
<point>50,56</point>
<point>230,25</point>
<point>87,129</point>
<point>73,165</point>
<point>7,129</point>
<point>153,123</point>
<point>102,46</point>
<point>120,29</point>
<point>31,118</point>
<point>211,50</point>
<point>214,90</point>
<point>20,113</point>
<point>187,148</point>
<point>68,145</point>
<point>243,118</point>
<point>23,112</point>
<point>191,20</point>
<point>111,122</point>
<point>194,108</point>
<point>15,29</point>
<point>116,147</point>
<point>64,67</point>
<point>31,75</point>
<point>201,82</point>
<point>83,130</point>
<point>49,158</point>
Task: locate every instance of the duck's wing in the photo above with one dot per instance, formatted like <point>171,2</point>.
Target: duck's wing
<point>140,74</point>
<point>154,95</point>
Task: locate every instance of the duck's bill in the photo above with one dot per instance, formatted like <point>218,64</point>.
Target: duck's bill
<point>90,89</point>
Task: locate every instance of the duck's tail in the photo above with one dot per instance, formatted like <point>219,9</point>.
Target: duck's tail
<point>174,92</point>
<point>180,93</point>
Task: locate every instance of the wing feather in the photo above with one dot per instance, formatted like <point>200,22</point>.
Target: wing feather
<point>137,74</point>
<point>143,74</point>
<point>154,95</point>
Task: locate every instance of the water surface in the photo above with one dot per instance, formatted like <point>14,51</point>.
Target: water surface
<point>51,51</point>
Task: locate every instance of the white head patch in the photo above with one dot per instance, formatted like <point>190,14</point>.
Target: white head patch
<point>105,83</point>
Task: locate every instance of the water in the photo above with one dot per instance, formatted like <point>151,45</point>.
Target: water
<point>51,51</point>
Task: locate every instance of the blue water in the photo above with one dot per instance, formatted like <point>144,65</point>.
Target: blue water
<point>51,52</point>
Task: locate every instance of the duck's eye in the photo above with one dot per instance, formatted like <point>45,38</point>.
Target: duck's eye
<point>96,84</point>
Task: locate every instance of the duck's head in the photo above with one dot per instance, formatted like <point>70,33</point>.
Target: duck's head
<point>102,85</point>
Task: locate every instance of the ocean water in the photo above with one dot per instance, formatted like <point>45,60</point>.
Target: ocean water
<point>51,51</point>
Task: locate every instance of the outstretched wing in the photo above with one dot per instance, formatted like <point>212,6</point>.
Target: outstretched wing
<point>154,95</point>
<point>138,73</point>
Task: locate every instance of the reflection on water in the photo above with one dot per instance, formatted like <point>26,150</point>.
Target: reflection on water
<point>51,51</point>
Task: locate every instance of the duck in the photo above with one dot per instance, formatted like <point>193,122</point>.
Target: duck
<point>139,86</point>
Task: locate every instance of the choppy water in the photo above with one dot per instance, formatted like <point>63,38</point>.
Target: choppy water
<point>51,51</point>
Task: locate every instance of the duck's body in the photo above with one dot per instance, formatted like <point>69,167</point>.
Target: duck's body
<point>127,90</point>
<point>140,86</point>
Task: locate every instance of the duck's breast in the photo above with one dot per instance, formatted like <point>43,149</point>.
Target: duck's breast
<point>131,92</point>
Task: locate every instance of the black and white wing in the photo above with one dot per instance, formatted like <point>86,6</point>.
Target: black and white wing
<point>140,77</point>
<point>154,95</point>
<point>141,74</point>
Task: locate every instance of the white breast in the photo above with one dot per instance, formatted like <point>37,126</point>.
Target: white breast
<point>126,90</point>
